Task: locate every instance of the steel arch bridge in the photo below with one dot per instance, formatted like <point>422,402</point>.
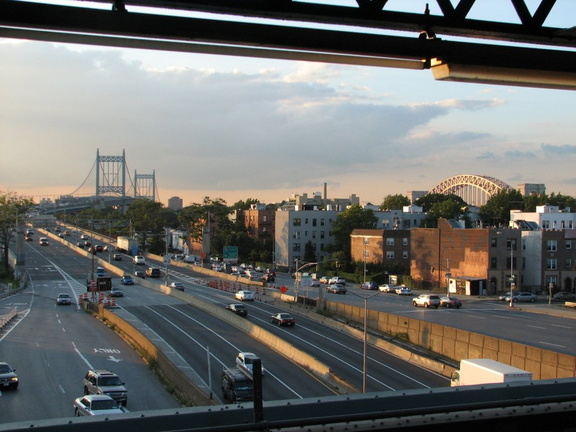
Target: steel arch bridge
<point>474,189</point>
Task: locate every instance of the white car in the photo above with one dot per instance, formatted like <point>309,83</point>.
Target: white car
<point>244,361</point>
<point>139,260</point>
<point>403,290</point>
<point>244,295</point>
<point>387,288</point>
<point>177,285</point>
<point>97,404</point>
<point>337,280</point>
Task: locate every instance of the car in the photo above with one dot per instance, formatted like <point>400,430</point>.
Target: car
<point>252,274</point>
<point>523,297</point>
<point>126,280</point>
<point>336,289</point>
<point>29,238</point>
<point>117,257</point>
<point>63,299</point>
<point>177,286</point>
<point>403,290</point>
<point>268,277</point>
<point>504,296</point>
<point>243,295</point>
<point>427,301</point>
<point>139,260</point>
<point>80,245</point>
<point>369,286</point>
<point>260,269</point>
<point>153,272</point>
<point>105,382</point>
<point>283,319</point>
<point>100,271</point>
<point>387,288</point>
<point>43,241</point>
<point>93,405</point>
<point>314,283</point>
<point>99,248</point>
<point>8,377</point>
<point>337,279</point>
<point>450,302</point>
<point>116,292</point>
<point>238,309</point>
<point>564,296</point>
<point>324,279</point>
<point>140,274</point>
<point>245,360</point>
<point>84,237</point>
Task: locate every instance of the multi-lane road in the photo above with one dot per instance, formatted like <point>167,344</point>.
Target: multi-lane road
<point>52,346</point>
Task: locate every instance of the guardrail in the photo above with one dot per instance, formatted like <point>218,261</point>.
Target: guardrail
<point>5,319</point>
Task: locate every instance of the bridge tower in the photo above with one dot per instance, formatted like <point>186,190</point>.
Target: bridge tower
<point>145,185</point>
<point>110,174</point>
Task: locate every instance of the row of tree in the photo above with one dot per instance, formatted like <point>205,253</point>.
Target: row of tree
<point>147,221</point>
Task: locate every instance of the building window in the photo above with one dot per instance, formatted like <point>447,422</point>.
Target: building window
<point>511,244</point>
<point>321,234</point>
<point>296,234</point>
<point>313,234</point>
<point>366,240</point>
<point>568,244</point>
<point>296,247</point>
<point>568,263</point>
<point>313,222</point>
<point>321,222</point>
<point>551,264</point>
<point>264,218</point>
<point>306,221</point>
<point>321,246</point>
<point>389,254</point>
<point>545,224</point>
<point>405,254</point>
<point>494,242</point>
<point>405,241</point>
<point>513,263</point>
<point>390,241</point>
<point>297,222</point>
<point>493,262</point>
<point>551,245</point>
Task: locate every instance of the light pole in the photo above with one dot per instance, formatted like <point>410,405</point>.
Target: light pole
<point>365,241</point>
<point>512,278</point>
<point>365,355</point>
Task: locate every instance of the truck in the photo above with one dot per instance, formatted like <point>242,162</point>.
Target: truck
<point>127,245</point>
<point>236,386</point>
<point>487,371</point>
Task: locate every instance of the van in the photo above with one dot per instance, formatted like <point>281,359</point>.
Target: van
<point>236,386</point>
<point>153,272</point>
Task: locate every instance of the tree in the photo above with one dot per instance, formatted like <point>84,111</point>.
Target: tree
<point>12,208</point>
<point>148,221</point>
<point>355,217</point>
<point>394,202</point>
<point>447,209</point>
<point>244,205</point>
<point>496,211</point>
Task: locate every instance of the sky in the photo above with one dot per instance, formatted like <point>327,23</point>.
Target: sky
<point>238,128</point>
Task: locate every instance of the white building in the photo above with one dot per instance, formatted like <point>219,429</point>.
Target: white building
<point>547,217</point>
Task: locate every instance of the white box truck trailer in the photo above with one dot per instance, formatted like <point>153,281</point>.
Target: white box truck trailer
<point>487,371</point>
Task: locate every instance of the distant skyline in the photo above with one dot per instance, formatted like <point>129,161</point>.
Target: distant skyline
<point>239,128</point>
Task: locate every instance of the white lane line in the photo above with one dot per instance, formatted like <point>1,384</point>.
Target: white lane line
<point>561,326</point>
<point>224,340</point>
<point>551,344</point>
<point>537,327</point>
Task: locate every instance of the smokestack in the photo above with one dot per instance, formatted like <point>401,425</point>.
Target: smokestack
<point>325,191</point>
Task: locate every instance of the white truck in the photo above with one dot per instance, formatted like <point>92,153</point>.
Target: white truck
<point>487,371</point>
<point>127,245</point>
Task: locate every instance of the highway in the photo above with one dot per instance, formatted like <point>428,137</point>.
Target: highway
<point>52,346</point>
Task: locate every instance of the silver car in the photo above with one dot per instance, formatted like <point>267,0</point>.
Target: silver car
<point>91,405</point>
<point>523,297</point>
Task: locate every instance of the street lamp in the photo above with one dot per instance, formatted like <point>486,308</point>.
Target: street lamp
<point>365,241</point>
<point>365,355</point>
<point>512,278</point>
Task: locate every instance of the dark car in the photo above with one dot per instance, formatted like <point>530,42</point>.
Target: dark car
<point>564,296</point>
<point>268,277</point>
<point>238,309</point>
<point>140,274</point>
<point>126,280</point>
<point>8,377</point>
<point>117,257</point>
<point>116,292</point>
<point>450,302</point>
<point>369,286</point>
<point>336,289</point>
<point>283,319</point>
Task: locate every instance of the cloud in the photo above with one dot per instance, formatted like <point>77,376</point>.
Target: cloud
<point>471,104</point>
<point>565,149</point>
<point>517,154</point>
<point>487,156</point>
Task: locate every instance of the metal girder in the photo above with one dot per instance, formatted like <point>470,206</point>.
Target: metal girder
<point>489,185</point>
<point>454,21</point>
